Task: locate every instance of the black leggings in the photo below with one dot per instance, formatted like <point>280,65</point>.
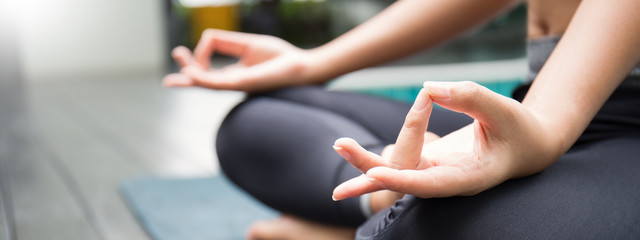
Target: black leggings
<point>277,146</point>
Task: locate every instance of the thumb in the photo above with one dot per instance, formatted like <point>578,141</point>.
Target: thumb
<point>480,103</point>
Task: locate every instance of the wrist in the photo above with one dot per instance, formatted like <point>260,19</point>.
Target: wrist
<point>546,143</point>
<point>557,136</point>
<point>313,72</point>
<point>318,66</point>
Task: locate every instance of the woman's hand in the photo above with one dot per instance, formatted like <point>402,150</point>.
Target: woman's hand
<point>505,141</point>
<point>265,62</point>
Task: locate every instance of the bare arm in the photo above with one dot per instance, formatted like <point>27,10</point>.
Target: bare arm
<point>267,63</point>
<point>403,28</point>
<point>599,48</point>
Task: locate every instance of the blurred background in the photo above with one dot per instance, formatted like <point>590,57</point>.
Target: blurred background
<point>82,109</point>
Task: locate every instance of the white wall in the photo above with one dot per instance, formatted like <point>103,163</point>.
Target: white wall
<point>61,39</point>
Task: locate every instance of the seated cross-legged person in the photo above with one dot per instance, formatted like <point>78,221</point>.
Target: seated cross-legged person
<point>558,160</point>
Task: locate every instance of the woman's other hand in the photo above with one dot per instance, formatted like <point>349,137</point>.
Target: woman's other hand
<point>265,62</point>
<point>505,141</point>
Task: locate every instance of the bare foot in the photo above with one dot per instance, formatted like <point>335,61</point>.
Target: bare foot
<point>291,228</point>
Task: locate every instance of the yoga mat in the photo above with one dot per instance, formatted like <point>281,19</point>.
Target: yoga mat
<point>192,209</point>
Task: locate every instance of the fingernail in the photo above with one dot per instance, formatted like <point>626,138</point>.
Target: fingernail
<point>421,101</point>
<point>340,150</point>
<point>437,91</point>
<point>334,198</point>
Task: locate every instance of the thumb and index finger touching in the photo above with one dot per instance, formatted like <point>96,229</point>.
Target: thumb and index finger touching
<point>225,42</point>
<point>194,65</point>
<point>399,173</point>
<point>488,108</point>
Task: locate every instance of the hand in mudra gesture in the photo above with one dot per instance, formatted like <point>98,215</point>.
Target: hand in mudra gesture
<point>265,62</point>
<point>505,141</point>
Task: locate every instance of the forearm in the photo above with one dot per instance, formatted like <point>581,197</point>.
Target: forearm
<point>598,49</point>
<point>403,28</point>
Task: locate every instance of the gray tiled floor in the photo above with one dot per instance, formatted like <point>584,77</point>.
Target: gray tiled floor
<point>66,146</point>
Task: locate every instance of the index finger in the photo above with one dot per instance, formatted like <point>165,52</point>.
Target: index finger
<point>408,148</point>
<point>182,56</point>
<point>225,42</point>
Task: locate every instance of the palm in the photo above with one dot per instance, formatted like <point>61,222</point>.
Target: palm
<point>459,162</point>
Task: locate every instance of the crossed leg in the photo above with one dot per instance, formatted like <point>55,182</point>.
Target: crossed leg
<point>277,147</point>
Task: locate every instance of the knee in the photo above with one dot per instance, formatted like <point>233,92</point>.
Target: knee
<point>231,141</point>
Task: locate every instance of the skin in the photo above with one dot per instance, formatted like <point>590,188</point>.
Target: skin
<point>598,48</point>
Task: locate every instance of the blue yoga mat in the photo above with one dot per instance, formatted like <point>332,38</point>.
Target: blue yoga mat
<point>192,209</point>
